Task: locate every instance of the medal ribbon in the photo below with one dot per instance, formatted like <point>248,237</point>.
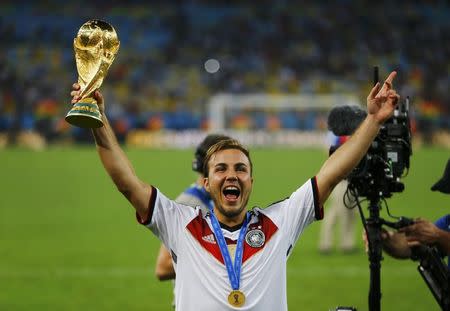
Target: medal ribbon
<point>234,271</point>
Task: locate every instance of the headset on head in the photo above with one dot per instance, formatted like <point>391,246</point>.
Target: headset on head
<point>202,149</point>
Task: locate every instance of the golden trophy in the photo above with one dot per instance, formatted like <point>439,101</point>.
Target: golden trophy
<point>95,47</point>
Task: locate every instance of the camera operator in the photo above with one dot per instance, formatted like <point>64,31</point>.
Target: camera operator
<point>398,244</point>
<point>427,243</point>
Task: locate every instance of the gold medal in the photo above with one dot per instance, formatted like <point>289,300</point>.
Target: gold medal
<point>236,298</point>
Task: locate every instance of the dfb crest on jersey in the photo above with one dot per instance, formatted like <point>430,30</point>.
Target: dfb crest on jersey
<point>255,238</point>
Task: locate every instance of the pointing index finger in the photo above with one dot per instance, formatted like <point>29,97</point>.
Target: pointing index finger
<point>387,85</point>
<point>390,78</point>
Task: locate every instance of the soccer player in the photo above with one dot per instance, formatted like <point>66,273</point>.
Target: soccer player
<point>230,258</point>
<point>195,195</point>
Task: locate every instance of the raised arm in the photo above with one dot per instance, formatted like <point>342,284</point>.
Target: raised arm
<point>116,162</point>
<point>381,103</point>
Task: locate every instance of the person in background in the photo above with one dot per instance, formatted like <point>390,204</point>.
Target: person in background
<point>338,213</point>
<point>398,244</point>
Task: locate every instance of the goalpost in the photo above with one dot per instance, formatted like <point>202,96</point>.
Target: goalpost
<point>256,120</point>
<point>275,120</point>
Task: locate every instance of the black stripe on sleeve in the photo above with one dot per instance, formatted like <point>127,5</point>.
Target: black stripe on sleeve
<point>151,206</point>
<point>318,210</point>
<point>289,250</point>
<point>174,256</point>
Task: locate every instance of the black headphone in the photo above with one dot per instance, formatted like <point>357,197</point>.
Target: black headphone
<point>202,149</point>
<point>197,163</point>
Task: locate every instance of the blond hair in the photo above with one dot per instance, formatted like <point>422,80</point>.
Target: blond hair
<point>225,145</point>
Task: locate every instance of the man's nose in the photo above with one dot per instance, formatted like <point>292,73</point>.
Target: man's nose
<point>232,177</point>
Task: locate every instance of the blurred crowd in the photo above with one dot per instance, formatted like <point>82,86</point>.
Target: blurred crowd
<point>158,80</point>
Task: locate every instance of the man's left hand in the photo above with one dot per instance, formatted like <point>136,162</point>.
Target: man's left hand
<point>382,100</point>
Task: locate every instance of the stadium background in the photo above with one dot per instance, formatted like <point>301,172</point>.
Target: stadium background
<point>68,240</point>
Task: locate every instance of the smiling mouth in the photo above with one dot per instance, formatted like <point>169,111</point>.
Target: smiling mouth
<point>231,193</point>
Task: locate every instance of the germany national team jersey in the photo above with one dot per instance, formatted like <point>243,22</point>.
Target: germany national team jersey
<point>202,280</point>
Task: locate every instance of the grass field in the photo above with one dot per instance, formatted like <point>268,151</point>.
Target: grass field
<point>69,240</point>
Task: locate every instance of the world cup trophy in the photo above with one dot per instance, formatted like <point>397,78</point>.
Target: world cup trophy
<point>95,46</point>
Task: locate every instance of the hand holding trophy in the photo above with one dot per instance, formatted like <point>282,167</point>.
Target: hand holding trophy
<point>95,46</point>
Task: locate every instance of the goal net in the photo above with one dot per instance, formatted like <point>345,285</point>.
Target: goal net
<point>275,120</point>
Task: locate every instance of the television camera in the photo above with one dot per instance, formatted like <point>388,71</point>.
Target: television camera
<point>378,176</point>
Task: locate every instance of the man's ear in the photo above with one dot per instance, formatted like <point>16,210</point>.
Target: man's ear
<point>206,183</point>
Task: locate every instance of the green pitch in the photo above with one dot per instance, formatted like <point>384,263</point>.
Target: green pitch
<point>69,240</point>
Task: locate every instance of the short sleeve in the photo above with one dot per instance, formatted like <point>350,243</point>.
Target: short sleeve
<point>295,213</point>
<point>167,218</point>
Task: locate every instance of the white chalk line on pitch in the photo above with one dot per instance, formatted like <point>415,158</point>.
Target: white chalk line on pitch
<point>125,272</point>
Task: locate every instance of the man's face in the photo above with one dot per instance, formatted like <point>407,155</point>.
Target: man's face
<point>229,183</point>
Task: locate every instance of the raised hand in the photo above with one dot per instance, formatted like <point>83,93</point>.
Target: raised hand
<point>382,100</point>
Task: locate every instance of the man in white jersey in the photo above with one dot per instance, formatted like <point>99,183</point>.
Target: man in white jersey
<point>229,258</point>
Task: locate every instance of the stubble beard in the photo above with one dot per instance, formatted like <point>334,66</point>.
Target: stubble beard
<point>231,213</point>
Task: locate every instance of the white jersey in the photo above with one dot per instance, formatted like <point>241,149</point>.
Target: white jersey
<point>202,279</point>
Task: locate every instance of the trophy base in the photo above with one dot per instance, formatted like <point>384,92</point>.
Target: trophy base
<point>85,113</point>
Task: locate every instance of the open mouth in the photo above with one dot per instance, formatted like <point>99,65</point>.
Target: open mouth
<point>231,193</point>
